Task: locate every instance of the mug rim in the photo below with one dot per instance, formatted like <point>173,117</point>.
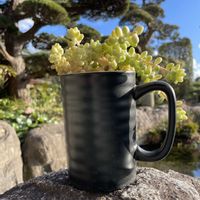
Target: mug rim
<point>98,72</point>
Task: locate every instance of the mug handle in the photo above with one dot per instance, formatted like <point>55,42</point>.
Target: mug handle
<point>160,153</point>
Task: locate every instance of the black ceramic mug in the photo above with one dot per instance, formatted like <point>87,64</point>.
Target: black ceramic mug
<point>100,126</point>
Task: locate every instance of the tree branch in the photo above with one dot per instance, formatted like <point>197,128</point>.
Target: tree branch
<point>76,10</point>
<point>5,54</point>
<point>147,38</point>
<point>29,34</point>
<point>15,3</point>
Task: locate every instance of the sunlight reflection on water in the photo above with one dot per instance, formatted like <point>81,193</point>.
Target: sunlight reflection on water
<point>196,173</point>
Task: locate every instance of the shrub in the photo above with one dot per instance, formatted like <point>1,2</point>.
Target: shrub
<point>45,108</point>
<point>186,135</point>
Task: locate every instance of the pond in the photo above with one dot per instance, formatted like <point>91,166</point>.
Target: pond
<point>183,160</point>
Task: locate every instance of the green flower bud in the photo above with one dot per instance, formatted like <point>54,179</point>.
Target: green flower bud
<point>137,56</point>
<point>118,31</point>
<point>111,41</point>
<point>170,66</point>
<point>148,70</point>
<point>144,54</point>
<point>158,61</point>
<point>131,51</point>
<point>122,40</point>
<point>113,34</point>
<point>157,76</point>
<point>124,46</point>
<point>139,30</point>
<point>135,40</point>
<point>157,67</point>
<point>178,66</point>
<point>125,30</point>
<point>114,64</point>
<point>122,58</point>
<point>149,58</point>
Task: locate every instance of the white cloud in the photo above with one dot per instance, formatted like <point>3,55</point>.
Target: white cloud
<point>199,45</point>
<point>25,24</point>
<point>31,48</point>
<point>196,67</point>
<point>155,53</point>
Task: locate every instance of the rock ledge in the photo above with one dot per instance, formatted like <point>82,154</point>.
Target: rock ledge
<point>150,184</point>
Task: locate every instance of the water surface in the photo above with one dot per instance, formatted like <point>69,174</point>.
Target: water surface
<point>183,160</point>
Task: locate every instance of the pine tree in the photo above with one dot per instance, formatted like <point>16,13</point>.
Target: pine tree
<point>44,41</point>
<point>43,12</point>
<point>150,14</point>
<point>180,51</point>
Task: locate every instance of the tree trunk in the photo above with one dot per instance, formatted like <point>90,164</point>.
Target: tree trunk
<point>147,37</point>
<point>11,50</point>
<point>143,2</point>
<point>17,85</point>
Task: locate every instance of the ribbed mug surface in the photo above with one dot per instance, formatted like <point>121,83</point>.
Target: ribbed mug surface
<point>100,119</point>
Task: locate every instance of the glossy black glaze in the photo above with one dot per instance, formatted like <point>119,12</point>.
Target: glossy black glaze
<point>100,124</point>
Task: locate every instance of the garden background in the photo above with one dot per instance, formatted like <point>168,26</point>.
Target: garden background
<point>30,90</point>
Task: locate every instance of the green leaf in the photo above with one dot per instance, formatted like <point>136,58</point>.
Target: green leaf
<point>29,122</point>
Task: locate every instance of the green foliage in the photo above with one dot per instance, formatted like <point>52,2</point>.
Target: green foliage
<point>186,129</point>
<point>44,41</point>
<point>46,11</point>
<point>154,10</point>
<point>150,1</point>
<point>116,53</point>
<point>47,99</point>
<point>6,21</point>
<point>111,55</point>
<point>134,15</point>
<point>98,9</point>
<point>150,14</point>
<point>180,51</point>
<point>5,72</point>
<point>89,33</point>
<point>187,135</point>
<point>45,108</point>
<point>167,31</point>
<point>38,65</point>
<point>13,111</point>
<point>194,95</point>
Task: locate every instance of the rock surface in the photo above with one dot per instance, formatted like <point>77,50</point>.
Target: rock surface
<point>44,150</point>
<point>10,158</point>
<point>149,118</point>
<point>150,184</point>
<point>195,112</point>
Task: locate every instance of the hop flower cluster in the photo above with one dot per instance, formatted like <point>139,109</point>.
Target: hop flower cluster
<point>116,53</point>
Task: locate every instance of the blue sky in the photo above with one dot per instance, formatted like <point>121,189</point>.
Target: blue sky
<point>185,14</point>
